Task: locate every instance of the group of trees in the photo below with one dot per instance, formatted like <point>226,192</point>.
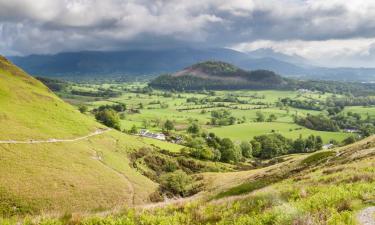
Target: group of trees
<point>108,114</point>
<point>260,80</point>
<point>260,117</point>
<point>337,121</point>
<point>351,101</point>
<point>54,84</point>
<point>302,104</point>
<point>108,117</point>
<point>105,93</point>
<point>272,145</point>
<point>317,122</point>
<point>222,118</point>
<point>210,147</point>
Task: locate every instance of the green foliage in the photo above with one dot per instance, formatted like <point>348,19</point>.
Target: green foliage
<point>229,152</point>
<point>222,118</point>
<point>247,187</point>
<point>83,108</point>
<point>260,117</point>
<point>177,182</point>
<point>133,130</point>
<point>246,149</point>
<point>317,157</point>
<point>193,129</point>
<point>109,117</point>
<point>272,145</point>
<point>168,125</point>
<point>258,79</point>
<point>272,118</point>
<point>349,140</point>
<point>318,122</point>
<point>54,84</point>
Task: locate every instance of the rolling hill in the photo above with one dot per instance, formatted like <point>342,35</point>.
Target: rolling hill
<point>219,75</point>
<point>54,159</point>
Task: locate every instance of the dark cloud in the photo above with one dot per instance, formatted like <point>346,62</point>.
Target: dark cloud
<point>46,26</point>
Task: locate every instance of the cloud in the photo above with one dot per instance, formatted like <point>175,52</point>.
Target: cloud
<point>336,52</point>
<point>46,26</point>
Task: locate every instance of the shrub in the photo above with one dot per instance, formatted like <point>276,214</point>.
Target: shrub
<point>109,117</point>
<point>177,182</point>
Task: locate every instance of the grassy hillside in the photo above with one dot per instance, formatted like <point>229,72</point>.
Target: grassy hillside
<point>327,187</point>
<point>86,175</point>
<point>28,110</point>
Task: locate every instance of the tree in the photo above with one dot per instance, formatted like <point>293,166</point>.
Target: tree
<point>273,145</point>
<point>169,125</point>
<point>310,143</point>
<point>259,117</point>
<point>246,149</point>
<point>299,145</point>
<point>318,143</point>
<point>133,130</point>
<point>109,117</point>
<point>177,182</point>
<point>120,107</point>
<point>257,147</point>
<point>367,130</point>
<point>349,140</point>
<point>272,118</point>
<point>228,151</point>
<point>145,123</point>
<point>83,108</point>
<point>193,128</point>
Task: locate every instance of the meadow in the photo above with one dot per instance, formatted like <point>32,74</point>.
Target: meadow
<point>157,106</point>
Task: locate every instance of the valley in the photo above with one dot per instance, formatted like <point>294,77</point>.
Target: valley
<point>76,152</point>
<point>209,112</point>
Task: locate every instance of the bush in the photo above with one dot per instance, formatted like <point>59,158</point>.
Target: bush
<point>177,182</point>
<point>246,149</point>
<point>83,108</point>
<point>349,140</point>
<point>109,117</point>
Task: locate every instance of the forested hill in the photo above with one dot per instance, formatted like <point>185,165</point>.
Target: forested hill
<point>219,75</point>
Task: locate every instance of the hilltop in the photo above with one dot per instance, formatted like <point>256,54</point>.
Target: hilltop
<point>219,75</point>
<point>84,174</point>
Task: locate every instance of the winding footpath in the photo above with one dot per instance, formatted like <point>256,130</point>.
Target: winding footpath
<point>367,216</point>
<point>97,132</point>
<point>120,174</point>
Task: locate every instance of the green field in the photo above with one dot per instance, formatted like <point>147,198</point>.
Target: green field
<point>176,108</point>
<point>245,132</point>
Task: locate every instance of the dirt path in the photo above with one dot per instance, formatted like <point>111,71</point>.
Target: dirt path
<point>97,132</point>
<point>130,185</point>
<point>367,216</point>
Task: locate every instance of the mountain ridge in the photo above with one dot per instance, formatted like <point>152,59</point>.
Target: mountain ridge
<point>86,64</point>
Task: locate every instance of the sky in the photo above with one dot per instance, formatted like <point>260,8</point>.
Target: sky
<point>325,32</point>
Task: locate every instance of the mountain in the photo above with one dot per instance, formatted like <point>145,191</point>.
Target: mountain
<point>218,75</point>
<point>55,159</point>
<point>131,62</point>
<point>89,64</point>
<point>270,53</point>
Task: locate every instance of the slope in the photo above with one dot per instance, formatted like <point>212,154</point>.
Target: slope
<point>90,173</point>
<point>326,187</point>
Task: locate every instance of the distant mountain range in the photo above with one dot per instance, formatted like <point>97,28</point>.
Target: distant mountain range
<point>155,62</point>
